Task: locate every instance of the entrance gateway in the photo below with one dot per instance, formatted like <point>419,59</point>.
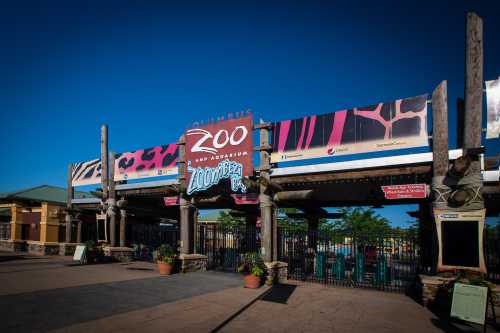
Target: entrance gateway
<point>214,169</point>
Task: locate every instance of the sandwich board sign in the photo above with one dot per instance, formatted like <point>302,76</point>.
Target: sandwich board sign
<point>469,303</point>
<point>79,254</point>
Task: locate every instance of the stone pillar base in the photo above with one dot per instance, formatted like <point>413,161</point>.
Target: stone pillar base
<point>430,287</point>
<point>122,254</point>
<point>193,262</point>
<point>13,245</point>
<point>43,248</point>
<point>277,272</point>
<point>67,249</point>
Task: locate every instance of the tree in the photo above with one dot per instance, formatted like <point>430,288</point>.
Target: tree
<point>227,220</point>
<point>362,221</point>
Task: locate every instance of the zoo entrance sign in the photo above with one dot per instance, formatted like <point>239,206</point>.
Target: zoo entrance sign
<point>218,152</point>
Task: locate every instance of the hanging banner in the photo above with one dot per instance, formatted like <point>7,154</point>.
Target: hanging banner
<point>405,191</point>
<point>493,106</point>
<point>145,163</point>
<point>86,173</point>
<point>383,126</point>
<point>171,201</point>
<point>246,199</point>
<point>217,152</point>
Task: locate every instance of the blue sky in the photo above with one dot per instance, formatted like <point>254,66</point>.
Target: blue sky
<point>150,68</point>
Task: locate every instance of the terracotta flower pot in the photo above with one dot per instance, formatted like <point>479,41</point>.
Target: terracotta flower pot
<point>251,281</point>
<point>164,268</point>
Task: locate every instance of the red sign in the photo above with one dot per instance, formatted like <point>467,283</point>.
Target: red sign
<point>246,199</point>
<point>171,201</point>
<point>405,191</point>
<point>218,151</point>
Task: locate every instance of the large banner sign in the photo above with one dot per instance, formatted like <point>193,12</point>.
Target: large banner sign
<point>86,173</point>
<point>383,126</point>
<point>150,162</point>
<point>493,105</point>
<point>219,151</point>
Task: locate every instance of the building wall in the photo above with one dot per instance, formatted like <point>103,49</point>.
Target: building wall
<point>51,217</point>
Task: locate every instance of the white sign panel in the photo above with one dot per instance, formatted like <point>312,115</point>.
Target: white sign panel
<point>79,253</point>
<point>493,107</point>
<point>469,303</point>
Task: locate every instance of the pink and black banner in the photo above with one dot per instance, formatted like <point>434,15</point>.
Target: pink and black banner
<point>383,126</point>
<point>145,163</point>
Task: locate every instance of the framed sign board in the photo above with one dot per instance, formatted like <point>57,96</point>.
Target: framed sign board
<point>469,303</point>
<point>460,240</point>
<point>219,152</point>
<point>79,254</point>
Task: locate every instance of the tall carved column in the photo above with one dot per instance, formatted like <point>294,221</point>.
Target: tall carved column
<point>312,233</point>
<point>187,226</point>
<point>122,203</point>
<point>69,205</point>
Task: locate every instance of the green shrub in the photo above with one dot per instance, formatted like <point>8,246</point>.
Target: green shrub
<point>252,264</point>
<point>165,253</point>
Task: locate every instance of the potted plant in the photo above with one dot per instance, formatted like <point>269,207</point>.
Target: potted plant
<point>253,269</point>
<point>93,253</point>
<point>165,257</point>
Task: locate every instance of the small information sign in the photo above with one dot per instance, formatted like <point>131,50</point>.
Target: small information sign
<point>469,303</point>
<point>79,254</point>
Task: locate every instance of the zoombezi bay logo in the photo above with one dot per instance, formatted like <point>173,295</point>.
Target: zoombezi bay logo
<point>204,178</point>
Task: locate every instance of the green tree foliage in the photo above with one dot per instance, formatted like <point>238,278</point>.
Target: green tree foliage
<point>362,221</point>
<point>227,220</point>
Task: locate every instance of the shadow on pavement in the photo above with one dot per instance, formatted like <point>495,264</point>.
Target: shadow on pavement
<point>46,310</point>
<point>279,293</point>
<point>17,257</point>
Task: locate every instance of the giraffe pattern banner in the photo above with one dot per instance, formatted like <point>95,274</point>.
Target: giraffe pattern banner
<point>383,126</point>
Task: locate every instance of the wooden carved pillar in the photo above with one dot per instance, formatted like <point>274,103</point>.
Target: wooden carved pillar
<point>112,201</point>
<point>312,233</point>
<point>267,216</point>
<point>440,189</point>
<point>69,205</point>
<point>472,183</point>
<point>122,203</point>
<point>187,210</point>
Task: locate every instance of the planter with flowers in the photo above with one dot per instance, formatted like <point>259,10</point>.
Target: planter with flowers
<point>165,258</point>
<point>253,270</point>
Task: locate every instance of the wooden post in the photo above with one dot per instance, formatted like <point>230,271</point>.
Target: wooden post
<point>312,232</point>
<point>472,182</point>
<point>440,145</point>
<point>440,129</point>
<point>112,200</point>
<point>69,205</point>
<point>104,161</point>
<point>473,86</point>
<point>185,206</point>
<point>79,232</point>
<point>123,221</point>
<point>266,203</point>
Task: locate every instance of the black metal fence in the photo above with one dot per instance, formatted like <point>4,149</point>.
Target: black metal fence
<point>225,246</point>
<point>382,261</point>
<point>386,261</point>
<point>145,238</point>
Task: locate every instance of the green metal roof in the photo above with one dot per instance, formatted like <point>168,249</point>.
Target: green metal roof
<point>43,193</point>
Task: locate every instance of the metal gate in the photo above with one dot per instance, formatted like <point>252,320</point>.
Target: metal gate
<point>225,246</point>
<point>380,261</point>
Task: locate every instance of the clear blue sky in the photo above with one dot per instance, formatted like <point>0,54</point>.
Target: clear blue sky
<point>150,68</point>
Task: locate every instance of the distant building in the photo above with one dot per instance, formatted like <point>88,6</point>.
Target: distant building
<point>33,219</point>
